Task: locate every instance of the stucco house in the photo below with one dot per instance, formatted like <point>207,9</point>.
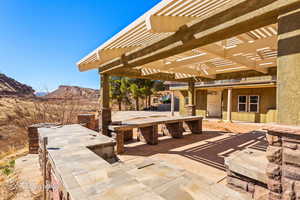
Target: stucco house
<point>253,99</point>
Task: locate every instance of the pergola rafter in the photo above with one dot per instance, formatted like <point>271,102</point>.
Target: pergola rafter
<point>200,40</point>
<point>152,39</point>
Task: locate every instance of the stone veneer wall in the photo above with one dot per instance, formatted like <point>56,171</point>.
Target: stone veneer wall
<point>33,136</point>
<point>88,121</point>
<point>104,121</point>
<point>33,140</point>
<point>246,184</point>
<point>283,170</point>
<point>54,183</point>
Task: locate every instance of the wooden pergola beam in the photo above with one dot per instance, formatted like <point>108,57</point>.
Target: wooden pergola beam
<point>192,72</point>
<point>239,60</point>
<point>253,47</point>
<point>245,74</point>
<point>231,20</point>
<point>103,56</point>
<point>135,73</point>
<point>227,54</point>
<point>188,61</point>
<point>165,24</point>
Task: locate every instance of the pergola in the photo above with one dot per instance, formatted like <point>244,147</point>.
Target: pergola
<point>201,40</point>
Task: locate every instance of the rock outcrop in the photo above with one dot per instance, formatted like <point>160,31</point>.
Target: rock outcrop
<point>74,92</point>
<point>11,87</point>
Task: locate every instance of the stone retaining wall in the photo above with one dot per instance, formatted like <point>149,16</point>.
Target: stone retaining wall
<point>283,169</point>
<point>244,183</point>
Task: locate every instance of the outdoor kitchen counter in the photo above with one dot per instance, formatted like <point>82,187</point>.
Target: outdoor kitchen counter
<point>76,171</point>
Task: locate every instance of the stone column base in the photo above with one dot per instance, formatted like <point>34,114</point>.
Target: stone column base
<point>173,129</point>
<point>33,136</point>
<point>195,126</point>
<point>190,110</point>
<point>148,134</point>
<point>120,142</point>
<point>128,135</point>
<point>33,139</point>
<point>283,154</point>
<point>104,121</point>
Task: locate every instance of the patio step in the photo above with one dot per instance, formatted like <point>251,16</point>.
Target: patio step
<point>250,163</point>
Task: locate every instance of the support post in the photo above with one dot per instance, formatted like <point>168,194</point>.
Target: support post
<point>191,107</point>
<point>105,111</point>
<point>120,142</point>
<point>45,142</point>
<point>288,70</point>
<point>172,103</point>
<point>229,104</point>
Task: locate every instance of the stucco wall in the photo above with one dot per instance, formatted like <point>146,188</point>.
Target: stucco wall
<point>182,110</point>
<point>201,102</point>
<point>267,105</point>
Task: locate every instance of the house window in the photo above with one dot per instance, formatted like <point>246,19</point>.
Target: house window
<point>186,100</point>
<point>253,103</point>
<point>248,103</point>
<point>242,104</point>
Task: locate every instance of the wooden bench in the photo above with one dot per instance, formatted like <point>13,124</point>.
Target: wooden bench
<point>148,129</point>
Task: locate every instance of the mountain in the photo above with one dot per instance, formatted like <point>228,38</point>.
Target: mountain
<point>73,92</point>
<point>11,87</point>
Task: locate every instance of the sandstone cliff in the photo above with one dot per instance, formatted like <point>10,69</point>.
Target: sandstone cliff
<point>75,92</point>
<point>11,87</point>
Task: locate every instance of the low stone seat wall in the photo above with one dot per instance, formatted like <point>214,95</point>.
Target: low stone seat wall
<point>247,170</point>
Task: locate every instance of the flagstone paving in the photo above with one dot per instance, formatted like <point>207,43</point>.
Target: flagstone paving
<point>87,175</point>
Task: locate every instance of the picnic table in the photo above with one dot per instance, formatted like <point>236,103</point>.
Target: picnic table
<point>148,129</point>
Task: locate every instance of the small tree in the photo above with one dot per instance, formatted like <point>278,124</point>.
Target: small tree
<point>142,88</point>
<point>136,93</point>
<point>119,90</point>
<point>125,91</point>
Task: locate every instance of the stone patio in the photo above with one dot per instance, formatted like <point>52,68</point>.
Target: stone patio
<point>198,153</point>
<point>188,168</point>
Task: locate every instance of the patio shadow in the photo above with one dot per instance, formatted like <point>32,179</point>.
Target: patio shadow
<point>213,146</point>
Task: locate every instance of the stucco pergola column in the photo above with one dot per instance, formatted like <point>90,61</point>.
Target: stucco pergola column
<point>229,104</point>
<point>288,69</point>
<point>172,103</point>
<point>105,111</point>
<point>191,107</point>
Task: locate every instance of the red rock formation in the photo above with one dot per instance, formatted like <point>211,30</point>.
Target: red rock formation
<point>11,87</point>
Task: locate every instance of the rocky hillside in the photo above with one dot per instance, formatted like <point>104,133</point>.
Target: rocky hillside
<point>75,92</point>
<point>9,86</point>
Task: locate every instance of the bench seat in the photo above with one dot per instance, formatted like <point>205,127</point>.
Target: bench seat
<point>148,128</point>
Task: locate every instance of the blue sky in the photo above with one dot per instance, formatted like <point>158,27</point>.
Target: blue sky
<point>40,41</point>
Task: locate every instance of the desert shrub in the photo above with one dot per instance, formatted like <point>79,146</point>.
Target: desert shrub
<point>17,115</point>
